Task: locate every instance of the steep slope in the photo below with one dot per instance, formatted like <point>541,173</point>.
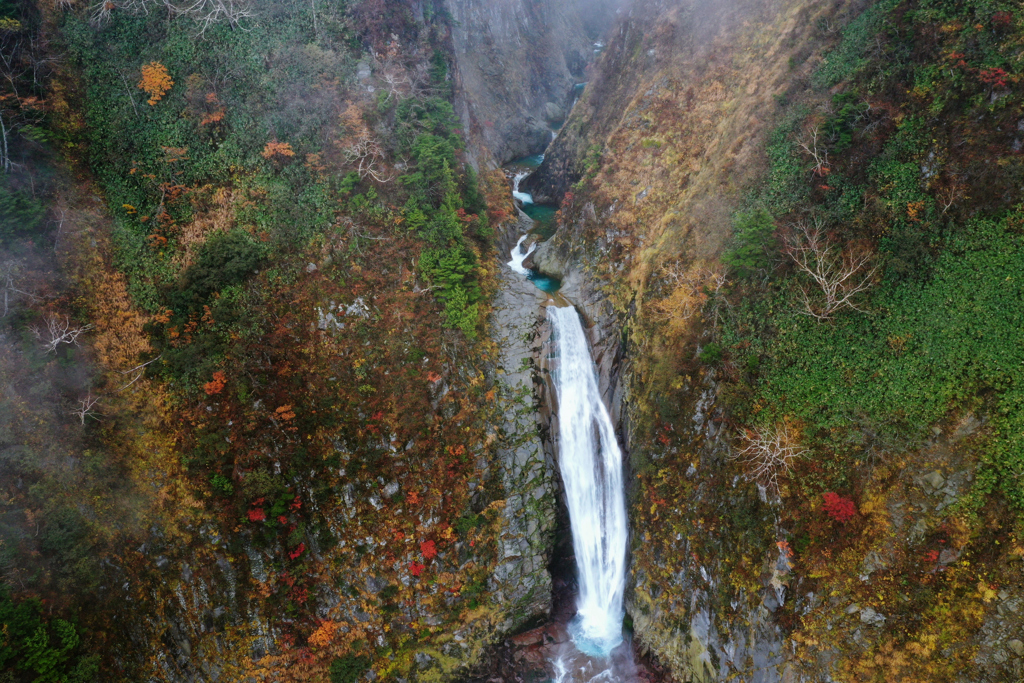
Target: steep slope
<point>279,283</point>
<point>825,477</point>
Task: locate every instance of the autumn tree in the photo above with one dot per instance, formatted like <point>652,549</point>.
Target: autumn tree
<point>155,81</point>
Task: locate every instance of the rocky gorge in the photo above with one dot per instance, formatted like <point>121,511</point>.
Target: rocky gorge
<point>788,231</point>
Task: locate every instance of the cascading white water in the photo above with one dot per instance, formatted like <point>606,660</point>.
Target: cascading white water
<point>518,256</point>
<point>591,465</point>
<point>524,197</point>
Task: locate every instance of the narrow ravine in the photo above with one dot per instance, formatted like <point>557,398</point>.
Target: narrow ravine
<point>591,464</point>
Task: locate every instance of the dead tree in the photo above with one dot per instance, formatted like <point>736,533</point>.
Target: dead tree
<point>367,155</point>
<point>818,154</point>
<point>9,271</point>
<point>768,455</point>
<point>204,12</point>
<point>58,332</point>
<point>86,408</point>
<point>839,275</point>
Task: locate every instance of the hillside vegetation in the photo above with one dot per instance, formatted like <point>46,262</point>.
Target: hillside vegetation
<point>809,217</point>
<point>246,424</point>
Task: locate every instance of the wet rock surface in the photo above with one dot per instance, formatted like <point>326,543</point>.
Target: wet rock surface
<point>527,473</point>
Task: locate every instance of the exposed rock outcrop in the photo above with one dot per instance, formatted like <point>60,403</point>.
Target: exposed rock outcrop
<point>521,580</point>
<point>516,64</point>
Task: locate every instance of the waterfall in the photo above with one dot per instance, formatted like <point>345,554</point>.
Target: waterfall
<point>591,466</point>
<point>524,197</point>
<point>518,256</point>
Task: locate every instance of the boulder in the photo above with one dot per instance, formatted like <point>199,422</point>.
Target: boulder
<point>553,113</point>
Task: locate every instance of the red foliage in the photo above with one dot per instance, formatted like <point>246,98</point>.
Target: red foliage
<point>1002,19</point>
<point>257,515</point>
<point>217,385</point>
<point>296,504</point>
<point>931,556</point>
<point>994,77</point>
<point>282,520</point>
<point>299,549</point>
<point>428,549</point>
<point>299,594</point>
<point>838,508</point>
<point>415,568</point>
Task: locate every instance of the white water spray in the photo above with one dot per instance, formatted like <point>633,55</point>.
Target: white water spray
<point>518,256</point>
<point>524,197</point>
<point>591,465</point>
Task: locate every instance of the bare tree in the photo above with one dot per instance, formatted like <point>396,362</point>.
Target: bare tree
<point>86,408</point>
<point>21,70</point>
<point>367,155</point>
<point>9,271</point>
<point>769,454</point>
<point>954,191</point>
<point>204,12</point>
<point>818,154</point>
<point>59,332</point>
<point>839,275</point>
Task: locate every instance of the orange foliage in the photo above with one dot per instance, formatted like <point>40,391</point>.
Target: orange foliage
<point>278,149</point>
<point>323,635</point>
<point>216,115</point>
<point>217,385</point>
<point>155,81</point>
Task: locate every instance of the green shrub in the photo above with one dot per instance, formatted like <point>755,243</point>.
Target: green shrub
<point>47,652</point>
<point>349,669</point>
<point>754,244</point>
<point>227,259</point>
<point>711,354</point>
<point>21,214</point>
<point>221,485</point>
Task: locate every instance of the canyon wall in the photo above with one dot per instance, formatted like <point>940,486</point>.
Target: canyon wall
<point>517,63</point>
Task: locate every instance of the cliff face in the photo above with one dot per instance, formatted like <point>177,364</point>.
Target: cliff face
<point>517,63</point>
<point>712,140</point>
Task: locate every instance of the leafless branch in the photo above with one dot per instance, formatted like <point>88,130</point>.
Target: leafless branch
<point>139,370</point>
<point>86,407</point>
<point>955,191</point>
<point>204,12</point>
<point>839,275</point>
<point>819,155</point>
<point>9,271</point>
<point>768,455</point>
<point>367,155</point>
<point>59,332</point>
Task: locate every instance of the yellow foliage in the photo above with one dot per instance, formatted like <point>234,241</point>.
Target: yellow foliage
<point>323,635</point>
<point>155,81</point>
